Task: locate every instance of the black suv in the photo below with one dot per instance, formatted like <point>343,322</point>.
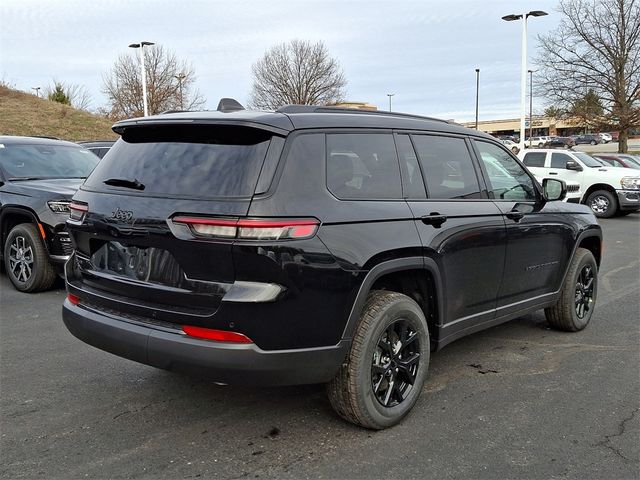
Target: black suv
<point>98,147</point>
<point>316,244</point>
<point>38,177</point>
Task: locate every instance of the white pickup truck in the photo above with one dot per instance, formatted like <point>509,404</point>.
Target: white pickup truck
<point>607,190</point>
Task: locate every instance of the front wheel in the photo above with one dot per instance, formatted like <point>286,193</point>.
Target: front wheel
<point>577,300</point>
<point>26,261</point>
<point>387,364</point>
<point>603,204</point>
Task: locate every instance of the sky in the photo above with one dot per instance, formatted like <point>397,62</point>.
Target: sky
<point>425,52</point>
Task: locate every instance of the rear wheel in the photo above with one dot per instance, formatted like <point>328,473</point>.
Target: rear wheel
<point>387,365</point>
<point>26,261</point>
<point>603,204</point>
<point>577,300</point>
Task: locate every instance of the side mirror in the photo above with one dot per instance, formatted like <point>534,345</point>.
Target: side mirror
<point>554,189</point>
<point>573,165</point>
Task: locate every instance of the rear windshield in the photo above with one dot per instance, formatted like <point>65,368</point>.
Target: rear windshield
<point>184,161</point>
<point>46,161</point>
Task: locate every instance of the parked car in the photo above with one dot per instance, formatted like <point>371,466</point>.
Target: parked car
<point>98,147</point>
<point>606,137</point>
<point>614,136</point>
<point>619,160</point>
<point>561,142</point>
<point>317,244</point>
<point>37,179</point>
<point>591,139</point>
<point>607,190</point>
<point>536,142</point>
<point>511,146</point>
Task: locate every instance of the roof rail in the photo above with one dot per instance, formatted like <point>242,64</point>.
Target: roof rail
<point>45,136</point>
<point>173,111</point>
<point>325,109</point>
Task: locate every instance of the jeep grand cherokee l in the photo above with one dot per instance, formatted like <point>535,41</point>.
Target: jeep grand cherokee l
<point>38,176</point>
<point>316,244</point>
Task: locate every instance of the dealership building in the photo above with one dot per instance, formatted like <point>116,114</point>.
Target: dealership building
<point>554,127</point>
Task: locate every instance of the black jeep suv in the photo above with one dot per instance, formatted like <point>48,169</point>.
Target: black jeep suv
<point>316,244</point>
<point>38,177</point>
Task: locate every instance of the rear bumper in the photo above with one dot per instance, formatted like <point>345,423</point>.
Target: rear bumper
<point>628,199</point>
<point>222,362</point>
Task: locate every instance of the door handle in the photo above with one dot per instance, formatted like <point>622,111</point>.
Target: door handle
<point>553,173</point>
<point>435,219</point>
<point>514,215</point>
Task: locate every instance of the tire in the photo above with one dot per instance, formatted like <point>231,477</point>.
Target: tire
<point>574,309</point>
<point>603,203</point>
<point>369,375</point>
<point>593,142</point>
<point>26,261</point>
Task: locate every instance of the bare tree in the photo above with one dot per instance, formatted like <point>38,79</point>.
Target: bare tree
<point>69,94</point>
<point>170,84</point>
<point>596,48</point>
<point>298,72</point>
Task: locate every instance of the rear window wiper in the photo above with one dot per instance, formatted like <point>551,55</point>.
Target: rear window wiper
<point>124,182</point>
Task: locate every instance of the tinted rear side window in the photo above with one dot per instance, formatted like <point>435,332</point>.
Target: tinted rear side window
<point>534,159</point>
<point>186,161</point>
<point>363,166</point>
<point>447,167</point>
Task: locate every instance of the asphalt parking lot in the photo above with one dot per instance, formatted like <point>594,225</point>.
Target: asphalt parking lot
<point>516,401</point>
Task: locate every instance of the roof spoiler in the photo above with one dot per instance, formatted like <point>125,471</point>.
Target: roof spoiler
<point>229,105</point>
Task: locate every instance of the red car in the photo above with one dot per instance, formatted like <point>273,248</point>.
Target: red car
<point>619,160</point>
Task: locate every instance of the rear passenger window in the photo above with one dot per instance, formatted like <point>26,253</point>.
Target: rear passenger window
<point>559,160</point>
<point>363,166</point>
<point>447,167</point>
<point>534,159</point>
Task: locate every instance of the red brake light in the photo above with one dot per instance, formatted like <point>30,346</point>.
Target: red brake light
<point>77,211</point>
<point>73,299</point>
<point>251,228</point>
<point>216,335</point>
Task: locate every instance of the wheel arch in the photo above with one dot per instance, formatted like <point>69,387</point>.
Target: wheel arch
<point>417,277</point>
<point>595,187</point>
<point>12,216</point>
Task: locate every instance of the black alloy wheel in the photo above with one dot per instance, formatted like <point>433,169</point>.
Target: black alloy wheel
<point>26,260</point>
<point>21,263</point>
<point>584,291</point>
<point>395,363</point>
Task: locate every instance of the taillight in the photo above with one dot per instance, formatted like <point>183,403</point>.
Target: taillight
<point>251,228</point>
<point>78,211</point>
<point>215,335</point>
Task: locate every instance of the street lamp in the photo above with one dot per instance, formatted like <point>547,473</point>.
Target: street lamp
<point>390,95</point>
<point>37,89</point>
<point>530,105</point>
<point>180,77</point>
<point>141,46</point>
<point>477,93</point>
<point>523,81</point>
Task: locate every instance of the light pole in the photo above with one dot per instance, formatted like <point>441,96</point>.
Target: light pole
<point>477,93</point>
<point>523,77</point>
<point>530,105</point>
<point>37,89</point>
<point>141,46</point>
<point>390,95</point>
<point>181,77</point>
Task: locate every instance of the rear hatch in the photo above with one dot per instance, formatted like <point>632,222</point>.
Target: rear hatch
<point>131,254</point>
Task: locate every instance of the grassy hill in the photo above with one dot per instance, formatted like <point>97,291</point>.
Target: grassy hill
<point>25,114</point>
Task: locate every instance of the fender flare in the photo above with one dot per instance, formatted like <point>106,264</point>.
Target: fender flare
<point>384,268</point>
<point>22,211</point>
